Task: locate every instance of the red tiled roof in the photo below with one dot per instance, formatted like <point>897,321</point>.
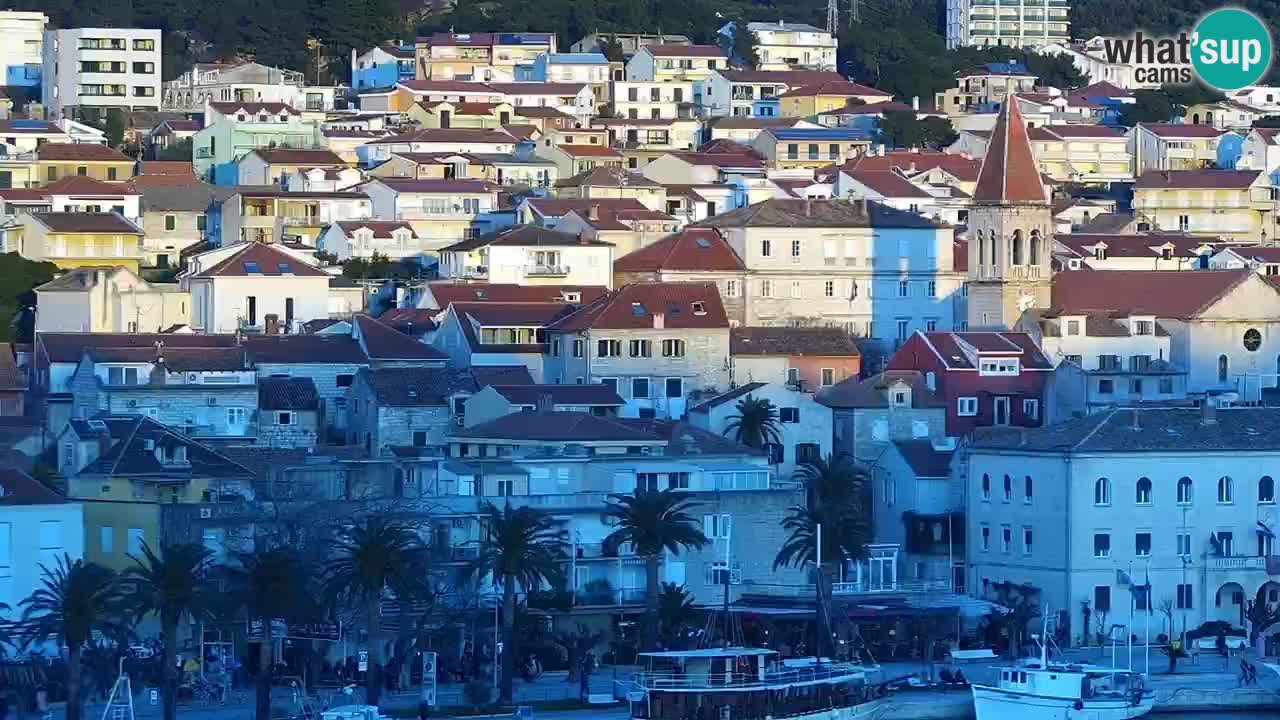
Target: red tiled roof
<point>80,151</point>
<point>695,249</point>
<point>380,228</point>
<point>454,86</point>
<point>446,292</point>
<point>161,167</point>
<point>708,51</point>
<point>925,461</point>
<point>541,111</point>
<point>961,167</point>
<point>636,306</point>
<point>412,185</point>
<point>84,185</point>
<point>1009,171</point>
<point>538,88</point>
<point>836,87</point>
<point>23,194</point>
<point>608,218</point>
<point>888,184</point>
<point>791,78</point>
<point>1181,130</point>
<point>448,135</point>
<point>956,349</point>
<point>298,156</point>
<point>384,343</point>
<point>721,159</point>
<point>554,208</point>
<point>1134,245</point>
<point>1176,294</point>
<point>269,260</point>
<point>1065,132</point>
<point>1195,179</point>
<point>22,489</point>
<point>87,222</point>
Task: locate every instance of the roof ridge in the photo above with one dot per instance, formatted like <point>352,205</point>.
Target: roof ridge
<point>1096,428</point>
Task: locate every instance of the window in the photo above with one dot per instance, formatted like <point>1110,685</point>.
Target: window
<point>986,486</point>
<point>675,388</point>
<point>640,388</point>
<point>795,289</point>
<point>1008,488</point>
<point>807,453</point>
<point>1102,492</point>
<point>717,526</point>
<point>1073,327</point>
<point>135,541</point>
<point>1266,489</point>
<point>608,348</point>
<point>579,346</point>
<point>986,538</point>
<point>1166,386</point>
<point>766,248</point>
<point>1026,541</point>
<point>1026,490</point>
<point>1142,544</point>
<point>731,288</point>
<point>1184,544</point>
<point>1226,491</point>
<point>506,487</point>
<point>1031,409</point>
<point>1101,545</point>
<point>766,288</point>
<point>284,418</point>
<point>998,366</point>
<point>641,348</point>
<point>1006,539</point>
<point>829,288</point>
<point>789,414</point>
<point>143,45</point>
<point>419,438</point>
<point>672,348</point>
<point>1224,541</point>
<point>1223,368</point>
<point>1184,601</point>
<point>1252,340</point>
<point>1106,387</point>
<point>1143,496</point>
<point>904,330</point>
<point>1184,491</point>
<point>828,377</point>
<point>967,406</point>
<point>795,250</point>
<point>904,289</point>
<point>678,481</point>
<point>1101,599</point>
<point>932,290</point>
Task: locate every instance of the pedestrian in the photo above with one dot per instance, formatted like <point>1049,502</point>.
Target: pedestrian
<point>1244,673</point>
<point>424,710</point>
<point>1253,675</point>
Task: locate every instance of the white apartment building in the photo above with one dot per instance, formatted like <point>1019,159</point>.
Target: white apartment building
<point>994,22</point>
<point>37,527</point>
<point>878,272</point>
<point>791,46</point>
<point>21,43</point>
<point>530,255</point>
<point>1184,498</point>
<point>652,99</point>
<point>100,68</point>
<point>245,83</point>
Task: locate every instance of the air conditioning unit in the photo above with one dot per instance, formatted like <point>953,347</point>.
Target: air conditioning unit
<point>192,377</point>
<point>212,401</point>
<point>133,403</point>
<point>459,523</point>
<point>461,421</point>
<point>206,513</point>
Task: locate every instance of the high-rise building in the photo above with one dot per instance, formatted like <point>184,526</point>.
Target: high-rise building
<point>21,37</point>
<point>100,68</point>
<point>1018,23</point>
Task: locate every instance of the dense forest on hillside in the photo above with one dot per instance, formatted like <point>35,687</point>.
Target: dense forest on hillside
<point>895,44</point>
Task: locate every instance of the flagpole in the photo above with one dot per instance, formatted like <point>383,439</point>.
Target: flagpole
<point>1128,634</point>
<point>1147,646</point>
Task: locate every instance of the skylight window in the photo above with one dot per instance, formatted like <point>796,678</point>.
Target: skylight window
<point>251,267</point>
<point>637,309</point>
<point>703,242</point>
<point>284,268</point>
<point>699,309</point>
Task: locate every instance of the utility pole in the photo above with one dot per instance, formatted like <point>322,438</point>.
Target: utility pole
<point>833,16</point>
<point>854,15</point>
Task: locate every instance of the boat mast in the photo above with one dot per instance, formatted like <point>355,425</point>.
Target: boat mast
<point>1044,639</point>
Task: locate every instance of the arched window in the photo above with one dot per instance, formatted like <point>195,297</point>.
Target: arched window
<point>1223,367</point>
<point>1266,489</point>
<point>1017,248</point>
<point>1184,491</point>
<point>1026,489</point>
<point>991,256</point>
<point>1226,493</point>
<point>982,257</point>
<point>1008,488</point>
<point>1034,258</point>
<point>986,486</point>
<point>1102,492</point>
<point>1144,491</point>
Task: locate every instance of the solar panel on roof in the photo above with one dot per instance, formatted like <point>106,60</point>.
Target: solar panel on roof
<point>284,268</point>
<point>703,242</point>
<point>27,124</point>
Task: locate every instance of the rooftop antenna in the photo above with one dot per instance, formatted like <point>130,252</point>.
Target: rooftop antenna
<point>833,16</point>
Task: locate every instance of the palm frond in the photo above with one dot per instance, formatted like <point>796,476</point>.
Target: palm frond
<point>655,520</point>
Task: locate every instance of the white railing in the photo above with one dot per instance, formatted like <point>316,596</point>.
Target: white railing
<point>1237,563</point>
<point>870,587</point>
<point>831,672</point>
<point>546,270</point>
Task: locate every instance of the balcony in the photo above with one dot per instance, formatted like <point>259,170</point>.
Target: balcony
<point>475,272</point>
<point>546,270</point>
<point>1246,563</point>
<point>604,551</point>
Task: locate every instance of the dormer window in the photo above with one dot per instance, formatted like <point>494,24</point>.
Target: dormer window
<point>1073,327</point>
<point>1100,252</point>
<point>1166,253</point>
<point>998,366</point>
<point>1144,327</point>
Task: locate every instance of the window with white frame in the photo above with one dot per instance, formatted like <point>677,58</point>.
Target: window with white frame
<point>717,526</point>
<point>967,406</point>
<point>1031,408</point>
<point>828,377</point>
<point>998,366</point>
<point>673,348</point>
<point>1027,539</point>
<point>1102,545</point>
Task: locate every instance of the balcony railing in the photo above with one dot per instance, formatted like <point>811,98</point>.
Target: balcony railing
<point>476,271</point>
<point>778,676</point>
<point>546,270</point>
<point>596,551</point>
<point>1252,562</point>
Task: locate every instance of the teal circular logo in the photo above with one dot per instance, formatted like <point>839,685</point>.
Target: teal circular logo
<point>1230,49</point>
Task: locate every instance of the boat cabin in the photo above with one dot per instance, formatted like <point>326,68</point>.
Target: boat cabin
<point>1071,682</point>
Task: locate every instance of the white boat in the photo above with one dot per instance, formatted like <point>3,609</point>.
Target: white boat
<point>1063,692</point>
<point>739,683</point>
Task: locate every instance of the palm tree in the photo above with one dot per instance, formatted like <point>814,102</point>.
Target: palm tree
<point>74,600</point>
<point>756,423</point>
<point>654,521</point>
<point>836,510</point>
<point>172,586</point>
<point>367,560</point>
<point>675,611</point>
<point>270,583</point>
<point>521,546</point>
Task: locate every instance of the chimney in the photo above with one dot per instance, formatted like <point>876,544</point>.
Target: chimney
<point>1137,423</point>
<point>659,321</point>
<point>911,169</point>
<point>1209,411</point>
<point>593,212</point>
<point>808,207</point>
<point>583,239</point>
<point>271,324</point>
<point>915,103</point>
<point>862,207</point>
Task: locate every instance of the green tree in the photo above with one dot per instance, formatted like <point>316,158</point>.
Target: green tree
<point>653,521</point>
<point>742,48</point>
<point>612,49</point>
<point>267,584</point>
<point>1149,106</point>
<point>756,423</point>
<point>369,560</point>
<point>179,151</point>
<point>521,547</point>
<point>74,600</point>
<point>18,279</point>
<point>1053,70</point>
<point>576,644</point>
<point>114,127</point>
<point>171,585</point>
<point>676,611</point>
<point>835,509</point>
